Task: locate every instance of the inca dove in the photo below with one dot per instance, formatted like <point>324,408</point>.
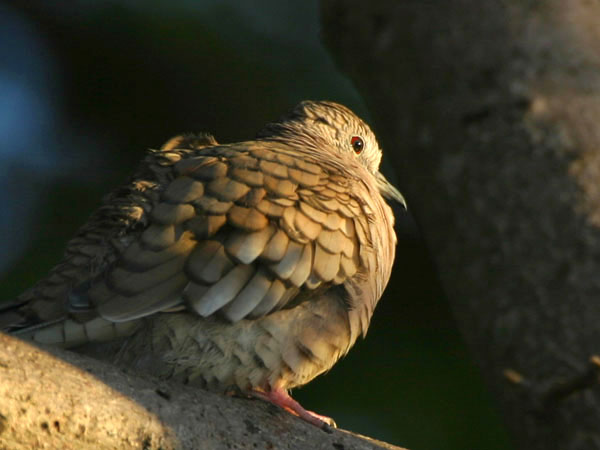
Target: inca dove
<point>254,265</point>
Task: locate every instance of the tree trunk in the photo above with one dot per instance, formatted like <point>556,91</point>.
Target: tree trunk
<point>489,111</point>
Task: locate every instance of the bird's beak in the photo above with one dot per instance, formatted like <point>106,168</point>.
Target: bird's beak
<point>388,190</point>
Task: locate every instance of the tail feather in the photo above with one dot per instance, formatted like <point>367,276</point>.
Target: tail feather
<point>68,333</point>
<point>10,317</point>
<point>63,332</point>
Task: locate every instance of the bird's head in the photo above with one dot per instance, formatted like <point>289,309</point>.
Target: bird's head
<point>329,126</point>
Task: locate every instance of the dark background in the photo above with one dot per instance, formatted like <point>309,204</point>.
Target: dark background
<point>87,86</point>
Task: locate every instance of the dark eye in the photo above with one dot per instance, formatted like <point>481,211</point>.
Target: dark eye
<point>357,144</point>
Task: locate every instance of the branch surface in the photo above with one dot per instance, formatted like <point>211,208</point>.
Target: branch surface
<point>51,398</point>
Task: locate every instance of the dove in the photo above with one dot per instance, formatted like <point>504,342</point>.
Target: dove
<point>252,266</point>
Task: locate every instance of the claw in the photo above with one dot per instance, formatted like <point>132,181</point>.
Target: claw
<point>281,398</point>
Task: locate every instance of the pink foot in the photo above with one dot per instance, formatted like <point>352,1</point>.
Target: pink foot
<point>281,398</point>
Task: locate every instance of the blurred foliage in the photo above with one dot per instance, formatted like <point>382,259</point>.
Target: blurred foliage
<point>131,75</point>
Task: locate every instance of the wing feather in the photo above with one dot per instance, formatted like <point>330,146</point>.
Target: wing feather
<point>242,230</point>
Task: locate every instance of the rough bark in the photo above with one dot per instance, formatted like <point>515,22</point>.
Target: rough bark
<point>58,399</point>
<point>489,111</point>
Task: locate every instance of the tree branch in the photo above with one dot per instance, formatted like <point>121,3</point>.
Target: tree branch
<point>57,399</point>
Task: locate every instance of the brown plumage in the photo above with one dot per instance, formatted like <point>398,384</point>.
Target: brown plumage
<point>255,264</point>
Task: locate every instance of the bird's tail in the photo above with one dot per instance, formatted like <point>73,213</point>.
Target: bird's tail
<point>62,332</point>
<point>10,317</point>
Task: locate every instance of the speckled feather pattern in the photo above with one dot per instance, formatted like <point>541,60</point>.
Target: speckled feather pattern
<point>254,264</point>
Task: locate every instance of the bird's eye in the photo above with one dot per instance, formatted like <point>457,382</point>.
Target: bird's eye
<point>357,144</point>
